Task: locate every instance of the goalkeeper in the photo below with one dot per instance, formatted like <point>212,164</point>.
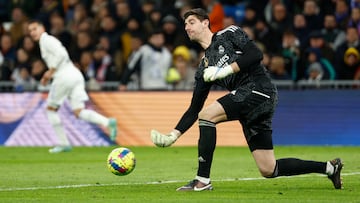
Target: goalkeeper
<point>233,61</point>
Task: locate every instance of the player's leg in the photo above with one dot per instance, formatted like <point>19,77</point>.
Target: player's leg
<point>77,99</point>
<point>55,99</point>
<point>208,118</point>
<point>262,150</point>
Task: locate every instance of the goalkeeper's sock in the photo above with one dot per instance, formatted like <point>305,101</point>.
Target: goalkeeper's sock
<point>206,147</point>
<point>293,166</point>
<point>93,117</point>
<point>55,121</point>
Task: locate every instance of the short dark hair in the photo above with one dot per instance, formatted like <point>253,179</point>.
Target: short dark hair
<point>35,21</point>
<point>200,14</point>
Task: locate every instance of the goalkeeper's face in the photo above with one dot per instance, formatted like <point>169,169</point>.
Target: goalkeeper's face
<point>35,30</point>
<point>195,28</point>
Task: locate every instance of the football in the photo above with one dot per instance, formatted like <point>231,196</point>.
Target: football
<point>121,161</point>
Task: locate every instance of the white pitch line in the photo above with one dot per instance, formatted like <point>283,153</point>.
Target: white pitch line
<point>155,183</point>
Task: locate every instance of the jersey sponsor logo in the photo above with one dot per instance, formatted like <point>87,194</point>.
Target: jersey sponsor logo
<point>223,61</point>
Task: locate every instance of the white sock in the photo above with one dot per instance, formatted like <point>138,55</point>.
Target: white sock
<point>203,180</point>
<point>55,121</point>
<point>93,117</point>
<point>329,168</point>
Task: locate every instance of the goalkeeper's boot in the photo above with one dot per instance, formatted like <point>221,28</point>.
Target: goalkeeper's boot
<point>195,185</point>
<point>59,149</point>
<point>112,129</point>
<point>336,177</point>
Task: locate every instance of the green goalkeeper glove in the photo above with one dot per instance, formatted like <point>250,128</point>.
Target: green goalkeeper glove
<point>162,140</point>
<point>213,73</point>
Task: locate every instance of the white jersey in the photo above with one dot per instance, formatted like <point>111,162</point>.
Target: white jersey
<point>55,56</point>
<point>154,66</point>
<point>68,81</point>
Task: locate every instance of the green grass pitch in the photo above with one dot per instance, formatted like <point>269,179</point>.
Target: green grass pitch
<point>31,174</point>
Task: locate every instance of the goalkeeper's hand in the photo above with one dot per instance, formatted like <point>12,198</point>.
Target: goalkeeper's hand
<point>162,140</point>
<point>212,73</point>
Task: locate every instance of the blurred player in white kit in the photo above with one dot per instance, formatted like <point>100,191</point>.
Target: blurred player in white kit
<point>67,83</point>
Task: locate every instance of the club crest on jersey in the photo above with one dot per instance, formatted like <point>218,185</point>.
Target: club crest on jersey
<point>221,49</point>
<point>206,62</point>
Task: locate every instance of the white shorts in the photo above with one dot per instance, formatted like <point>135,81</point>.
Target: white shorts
<point>71,88</point>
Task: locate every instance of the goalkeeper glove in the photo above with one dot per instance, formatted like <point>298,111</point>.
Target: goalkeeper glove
<point>162,140</point>
<point>212,73</point>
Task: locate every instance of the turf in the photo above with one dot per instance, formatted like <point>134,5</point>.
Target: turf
<point>31,174</point>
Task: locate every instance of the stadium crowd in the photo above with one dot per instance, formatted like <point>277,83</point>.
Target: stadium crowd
<point>142,45</point>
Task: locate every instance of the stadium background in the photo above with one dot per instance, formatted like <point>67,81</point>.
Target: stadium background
<point>311,117</point>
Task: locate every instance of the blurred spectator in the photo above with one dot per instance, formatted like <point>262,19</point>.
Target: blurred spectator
<point>354,20</point>
<point>69,9</point>
<point>301,30</point>
<point>30,47</point>
<point>250,17</point>
<point>82,42</point>
<point>109,30</point>
<point>16,30</point>
<point>151,63</point>
<point>133,26</point>
<point>291,53</point>
<point>123,15</point>
<point>265,35</point>
<point>97,5</point>
<point>352,40</point>
<point>38,68</point>
<point>47,8</point>
<point>250,32</point>
<point>153,22</point>
<point>277,68</point>
<point>80,14</point>
<point>332,35</point>
<point>147,6</point>
<point>313,55</point>
<point>8,52</point>
<point>181,74</point>
<point>269,10</point>
<point>351,64</point>
<point>281,19</point>
<point>311,12</point>
<point>315,72</point>
<point>58,30</point>
<point>29,7</point>
<point>216,14</point>
<point>102,13</point>
<point>229,20</point>
<point>174,35</point>
<point>105,69</point>
<point>317,41</point>
<point>342,13</point>
<point>23,81</point>
<point>87,65</point>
